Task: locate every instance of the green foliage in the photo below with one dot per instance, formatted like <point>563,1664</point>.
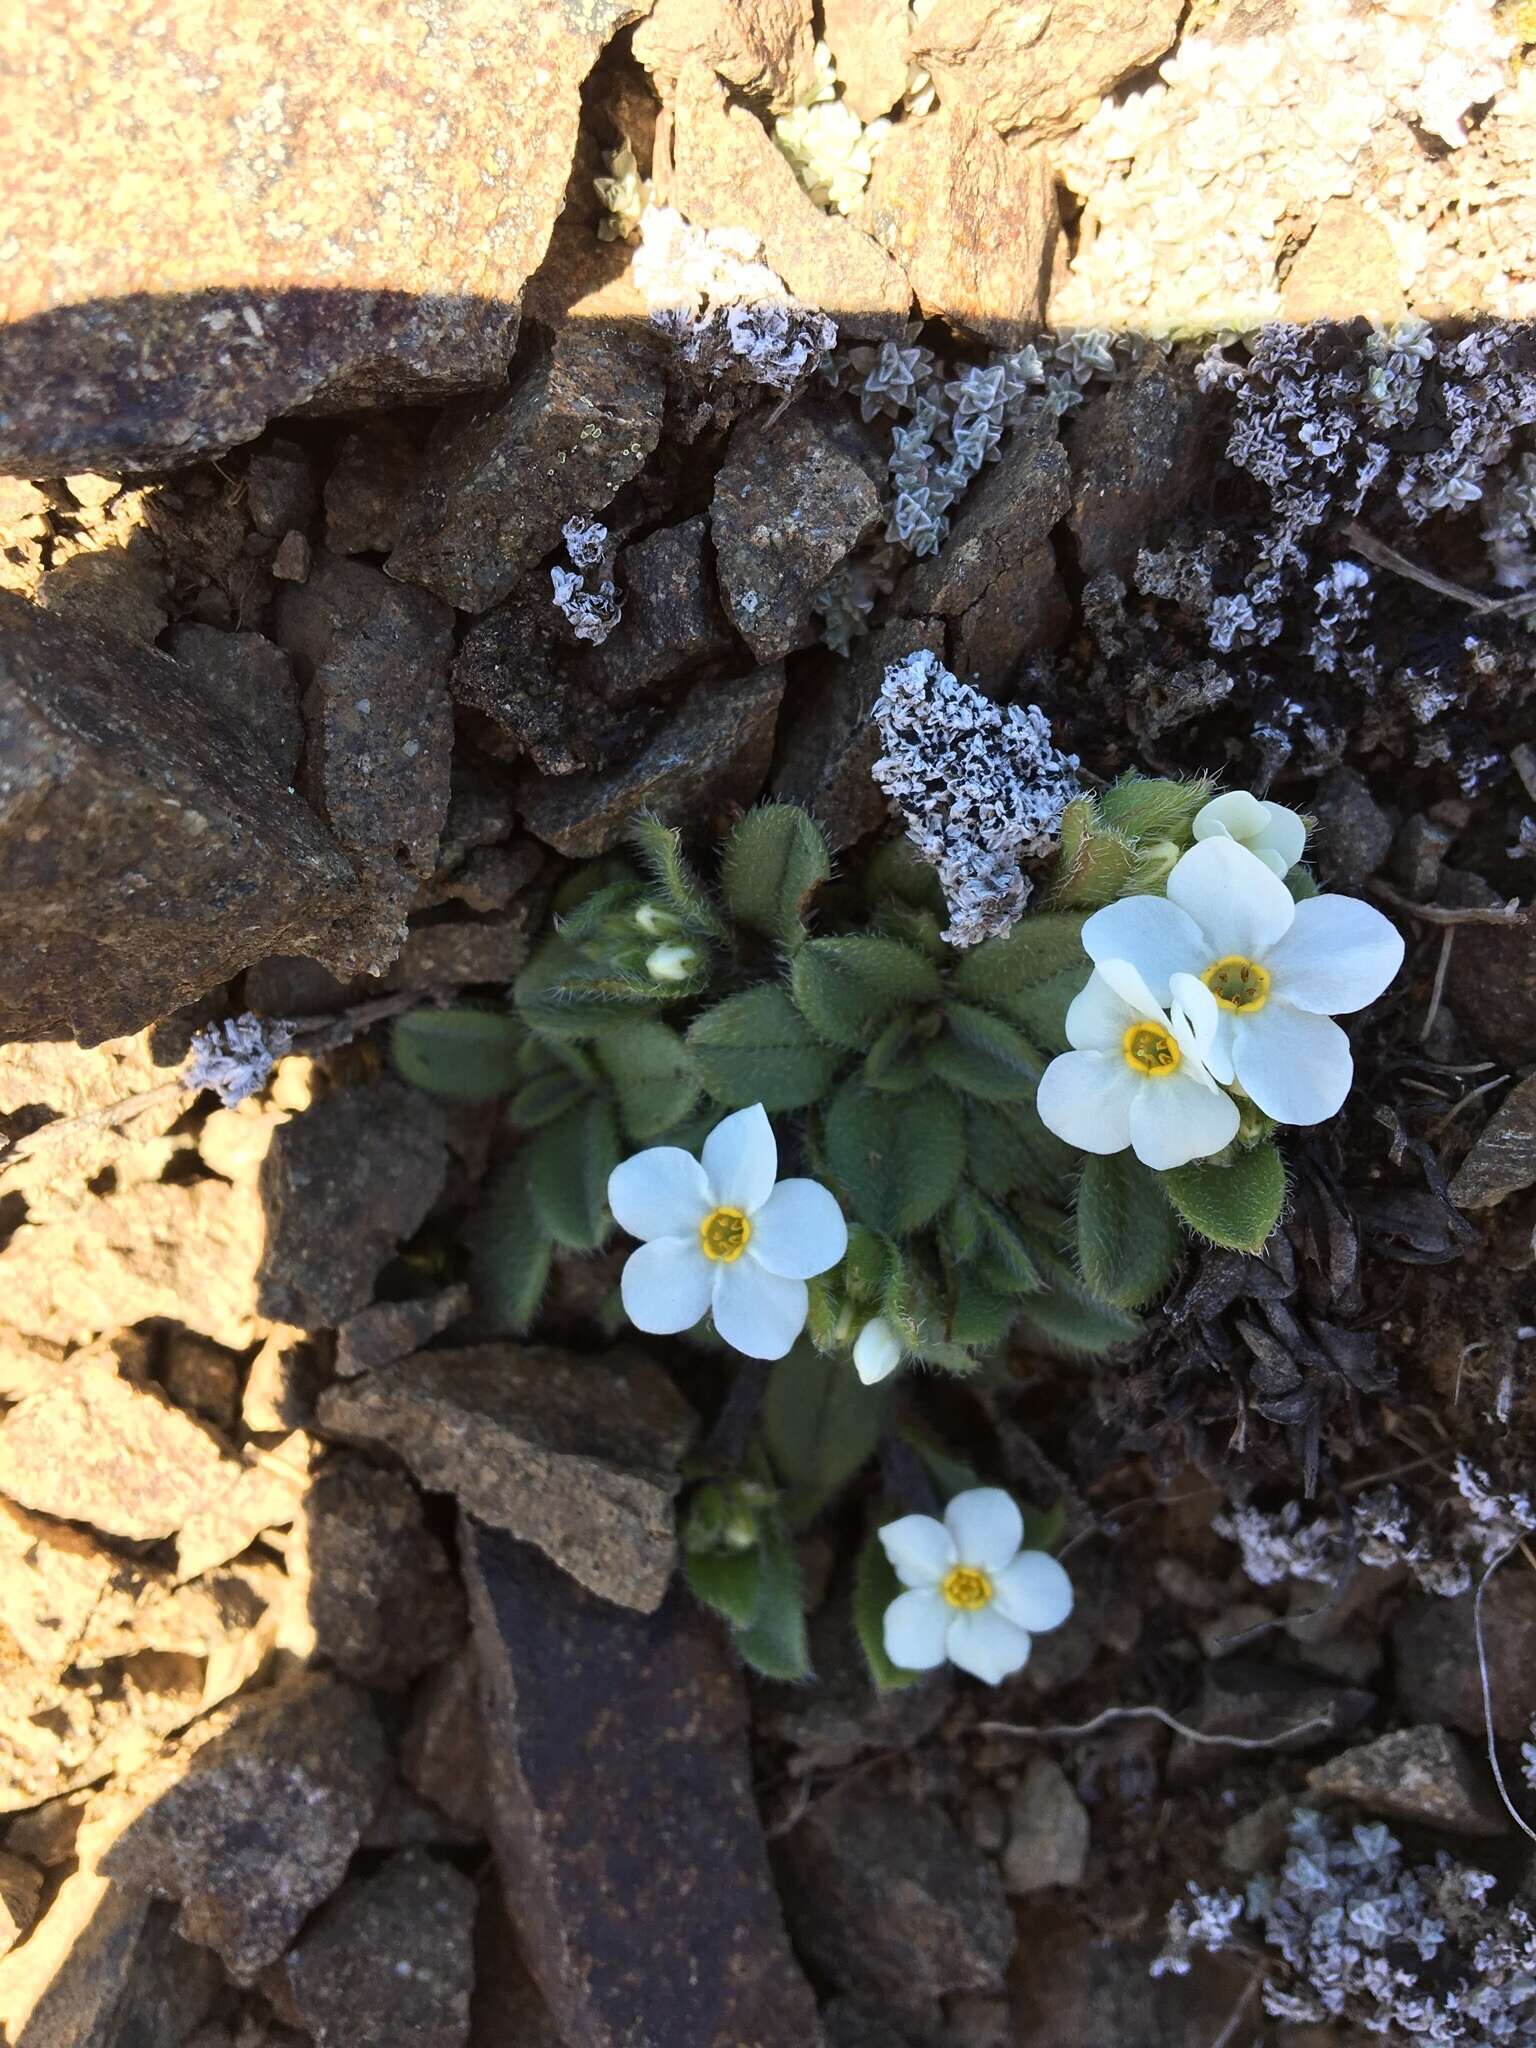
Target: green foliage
<point>820,1425</point>
<point>898,1170</point>
<point>1237,1205</point>
<point>511,1251</point>
<point>547,1096</point>
<point>555,995</point>
<point>1155,807</point>
<point>756,1047</point>
<point>653,1075</point>
<point>774,861</point>
<point>729,1581</point>
<point>875,1586</point>
<point>1041,1010</point>
<point>1067,1322</point>
<point>774,1641</point>
<point>1037,948</point>
<point>569,1163</point>
<point>660,849</point>
<point>847,989</point>
<point>1127,1239</point>
<point>463,1055</point>
<point>982,1055</point>
<point>893,871</point>
<point>951,1475</point>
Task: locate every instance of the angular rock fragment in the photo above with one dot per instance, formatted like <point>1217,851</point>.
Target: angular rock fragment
<point>442,1753</point>
<point>389,1330</point>
<point>1048,1837</point>
<point>1347,266</point>
<point>727,172</point>
<point>342,1185</point>
<point>130,892</point>
<point>671,620</point>
<point>371,479</point>
<point>250,1820</point>
<point>389,1963</point>
<point>939,191</point>
<point>47,1080</point>
<point>789,507</point>
<point>762,46</point>
<point>203,1378</point>
<point>451,953</point>
<point>1434,1645</point>
<point>263,1494</point>
<point>21,1887</point>
<point>500,478</point>
<point>1270,1703</point>
<point>1136,445</point>
<point>577,1455</point>
<point>1421,1775</point>
<point>281,1384</point>
<point>1503,1160</point>
<point>708,756</point>
<point>868,39</point>
<point>643,1915</point>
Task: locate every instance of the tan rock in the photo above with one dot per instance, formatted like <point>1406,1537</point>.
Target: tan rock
<point>762,46</point>
<point>867,39</point>
<point>43,1080</point>
<point>1347,266</point>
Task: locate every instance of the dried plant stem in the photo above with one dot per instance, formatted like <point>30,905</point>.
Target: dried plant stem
<point>1063,1731</point>
<point>1235,2018</point>
<point>1487,1684</point>
<point>1364,542</point>
<point>1512,912</point>
<point>1438,990</point>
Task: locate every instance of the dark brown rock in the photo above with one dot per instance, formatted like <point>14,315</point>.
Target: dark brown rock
<point>1135,446</point>
<point>442,1753</point>
<point>939,189</point>
<point>1354,834</point>
<point>383,1598</point>
<point>280,491</point>
<point>342,1185</point>
<point>501,477</point>
<point>708,757</point>
<point>293,559</point>
<point>672,621</point>
<point>727,171</point>
<point>833,1722</point>
<point>511,672</point>
<point>1491,983</point>
<point>762,46</point>
<point>280,1388</point>
<point>374,472</point>
<point>394,1329</point>
<point>649,1919</point>
<point>203,1378</point>
<point>385,270</point>
<point>1503,1160</point>
<point>789,507</point>
<point>1434,1644</point>
<point>250,1821</point>
<point>1076,1988</point>
<point>886,1900</point>
<point>21,1888</point>
<point>389,1962</point>
<point>1270,1703</point>
<point>111,577</point>
<point>450,953</point>
<point>149,849</point>
<point>1422,1775</point>
<point>577,1455</point>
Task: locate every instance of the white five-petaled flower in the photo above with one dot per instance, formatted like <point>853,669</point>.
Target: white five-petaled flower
<point>1279,971</point>
<point>721,1238</point>
<point>877,1351</point>
<point>1138,1073</point>
<point>975,1596</point>
<point>1277,836</point>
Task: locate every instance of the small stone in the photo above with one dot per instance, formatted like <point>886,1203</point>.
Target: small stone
<point>280,493</point>
<point>292,561</point>
<point>1491,984</point>
<point>831,1724</point>
<point>264,1494</point>
<point>1503,1160</point>
<point>456,952</point>
<point>1287,1710</point>
<point>1257,1841</point>
<point>1227,1631</point>
<point>1354,833</point>
<point>762,46</point>
<point>389,1962</point>
<point>672,621</point>
<point>54,1080</point>
<point>374,472</point>
<point>1424,1776</point>
<point>1136,445</point>
<point>1074,1987</point>
<point>577,1455</point>
<point>442,1752</point>
<point>281,1385</point>
<point>707,759</point>
<point>1434,1645</point>
<point>939,188</point>
<point>1418,855</point>
<point>113,582</point>
<point>382,1595</point>
<point>727,171</point>
<point>203,1378</point>
<point>886,1899</point>
<point>21,1888</point>
<point>1048,1843</point>
<point>871,2023</point>
<point>250,682</point>
<point>500,478</point>
<point>595,1718</point>
<point>342,1186</point>
<point>1041,72</point>
<point>789,507</point>
<point>1346,267</point>
<point>251,1819</point>
<point>868,38</point>
<point>391,1330</point>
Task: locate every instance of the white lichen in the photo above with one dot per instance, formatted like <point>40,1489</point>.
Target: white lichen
<point>831,149</point>
<point>235,1056</point>
<point>592,613</point>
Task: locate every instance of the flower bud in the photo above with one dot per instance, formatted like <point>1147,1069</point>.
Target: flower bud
<point>655,921</point>
<point>876,1351</point>
<point>672,962</point>
<point>704,1524</point>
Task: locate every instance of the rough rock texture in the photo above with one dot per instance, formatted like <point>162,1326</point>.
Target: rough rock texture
<point>384,1601</point>
<point>671,621</point>
<point>1434,1645</point>
<point>388,1330</point>
<point>1492,977</point>
<point>1347,266</point>
<point>762,46</point>
<point>1291,1710</point>
<point>1504,1158</point>
<point>373,660</point>
<point>727,172</point>
<point>841,1717</point>
<point>885,1898</point>
<point>970,217</point>
<point>388,268</point>
<point>261,1495</point>
<point>1135,446</point>
<point>1068,1992</point>
<point>1048,1837</point>
<point>43,1080</point>
<point>585,1814</point>
<point>500,477</point>
<point>1422,1775</point>
<point>374,471</point>
<point>790,506</point>
<point>710,755</point>
<point>868,38</point>
<point>149,849</point>
<point>1042,66</point>
<point>828,739</point>
<point>250,1820</point>
<point>452,952</point>
<point>576,1455</point>
<point>442,1753</point>
<point>389,1963</point>
<point>1354,834</point>
<point>343,1185</point>
<point>21,1887</point>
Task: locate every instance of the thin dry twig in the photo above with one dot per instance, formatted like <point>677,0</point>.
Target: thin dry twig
<point>1512,912</point>
<point>1228,2033</point>
<point>1064,1730</point>
<point>1366,543</point>
<point>1487,1684</point>
<point>1438,990</point>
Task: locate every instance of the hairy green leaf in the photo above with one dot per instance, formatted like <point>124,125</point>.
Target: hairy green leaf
<point>875,1586</point>
<point>464,1055</point>
<point>774,861</point>
<point>1066,1322</point>
<point>569,1164</point>
<point>1038,946</point>
<point>775,1643</point>
<point>511,1251</point>
<point>899,1170</point>
<point>660,848</point>
<point>1236,1206</point>
<point>820,1424</point>
<point>729,1581</point>
<point>1127,1238</point>
<point>983,1055</point>
<point>849,989</point>
<point>545,1097</point>
<point>756,1047</point>
<point>550,994</point>
<point>653,1075</point>
<point>1154,806</point>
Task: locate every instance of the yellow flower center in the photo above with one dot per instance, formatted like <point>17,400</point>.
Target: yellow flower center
<point>723,1234</point>
<point>1238,984</point>
<point>1152,1051</point>
<point>966,1586</point>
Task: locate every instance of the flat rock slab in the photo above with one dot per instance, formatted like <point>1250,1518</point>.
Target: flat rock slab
<point>579,1456</point>
<point>158,159</point>
<point>1503,1160</point>
<point>622,1817</point>
<point>1422,1775</point>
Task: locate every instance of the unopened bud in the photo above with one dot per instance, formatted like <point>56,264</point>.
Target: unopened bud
<point>655,921</point>
<point>672,962</point>
<point>877,1353</point>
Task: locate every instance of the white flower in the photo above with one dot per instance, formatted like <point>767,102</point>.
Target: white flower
<point>671,962</point>
<point>721,1238</point>
<point>1139,1073</point>
<point>876,1351</point>
<point>975,1595</point>
<point>1279,971</point>
<point>1276,835</point>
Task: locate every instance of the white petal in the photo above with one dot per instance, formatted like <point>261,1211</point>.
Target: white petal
<point>799,1231</point>
<point>1284,835</point>
<point>1338,956</point>
<point>1176,1120</point>
<point>1033,1592</point>
<point>876,1351</point>
<point>986,1645</point>
<point>1276,863</point>
<point>1237,903</point>
<point>1296,1066</point>
<point>986,1526</point>
<point>741,1159</point>
<point>1197,1010</point>
<point>660,1193</point>
<point>665,1285</point>
<point>1097,1018</point>
<point>1237,815</point>
<point>755,1311</point>
<point>1153,934</point>
<point>920,1549</point>
<point>1085,1097</point>
<point>1130,985</point>
<point>914,1629</point>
